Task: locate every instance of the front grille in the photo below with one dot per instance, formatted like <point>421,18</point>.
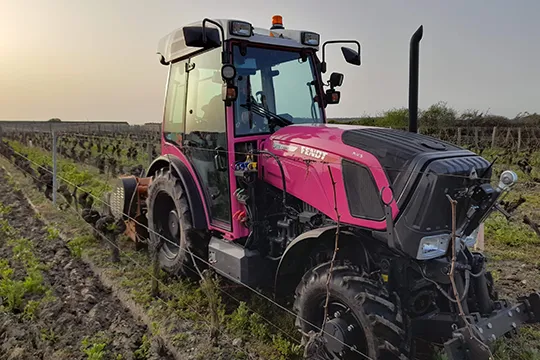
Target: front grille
<point>429,208</point>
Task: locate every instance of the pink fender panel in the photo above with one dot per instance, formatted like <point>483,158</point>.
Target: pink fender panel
<point>308,153</point>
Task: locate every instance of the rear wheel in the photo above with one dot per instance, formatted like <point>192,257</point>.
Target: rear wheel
<point>169,221</point>
<point>364,321</point>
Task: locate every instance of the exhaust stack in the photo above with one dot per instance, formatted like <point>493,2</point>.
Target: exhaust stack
<point>414,56</point>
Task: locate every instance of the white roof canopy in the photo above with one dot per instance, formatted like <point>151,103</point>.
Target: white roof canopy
<point>173,46</point>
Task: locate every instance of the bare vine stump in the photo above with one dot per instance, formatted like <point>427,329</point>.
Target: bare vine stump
<point>519,140</point>
<point>209,287</point>
<point>113,244</point>
<point>154,248</point>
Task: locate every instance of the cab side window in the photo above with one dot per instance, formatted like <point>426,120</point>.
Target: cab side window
<point>206,111</point>
<point>206,130</point>
<point>175,106</point>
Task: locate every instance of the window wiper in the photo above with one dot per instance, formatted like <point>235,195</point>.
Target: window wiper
<point>272,118</point>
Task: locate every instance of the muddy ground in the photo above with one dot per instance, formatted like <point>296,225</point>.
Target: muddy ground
<point>514,279</point>
<point>80,306</point>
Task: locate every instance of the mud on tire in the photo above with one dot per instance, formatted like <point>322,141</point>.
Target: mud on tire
<point>379,328</point>
<point>169,215</point>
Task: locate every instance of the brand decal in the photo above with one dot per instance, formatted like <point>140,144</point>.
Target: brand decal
<point>357,154</point>
<point>279,146</point>
<point>314,153</point>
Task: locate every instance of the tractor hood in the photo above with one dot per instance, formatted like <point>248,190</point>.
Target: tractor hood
<point>421,171</point>
<point>394,149</point>
<point>400,153</point>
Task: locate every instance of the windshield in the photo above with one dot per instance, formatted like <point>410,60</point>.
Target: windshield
<point>275,88</point>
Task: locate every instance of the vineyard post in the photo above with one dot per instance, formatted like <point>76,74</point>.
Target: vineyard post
<point>54,167</point>
<point>149,152</point>
<point>459,136</point>
<point>508,132</point>
<point>519,140</point>
<point>493,135</point>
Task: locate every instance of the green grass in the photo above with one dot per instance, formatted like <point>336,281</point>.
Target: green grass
<point>22,275</point>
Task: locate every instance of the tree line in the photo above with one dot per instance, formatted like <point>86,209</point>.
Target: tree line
<point>440,115</point>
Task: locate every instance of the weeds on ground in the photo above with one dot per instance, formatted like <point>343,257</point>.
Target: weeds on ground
<point>78,244</point>
<point>52,233</point>
<point>247,325</point>
<point>13,289</point>
<point>144,349</point>
<point>49,336</point>
<point>94,347</point>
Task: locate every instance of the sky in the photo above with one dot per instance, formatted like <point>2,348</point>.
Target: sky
<point>96,60</point>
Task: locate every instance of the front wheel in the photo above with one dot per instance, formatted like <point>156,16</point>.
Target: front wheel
<point>364,321</point>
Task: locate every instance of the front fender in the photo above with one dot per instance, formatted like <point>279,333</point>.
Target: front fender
<point>295,257</point>
<point>198,215</point>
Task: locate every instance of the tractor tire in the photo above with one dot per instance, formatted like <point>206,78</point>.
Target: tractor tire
<point>361,314</point>
<point>169,215</point>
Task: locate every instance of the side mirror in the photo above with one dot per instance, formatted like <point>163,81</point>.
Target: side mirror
<point>220,159</point>
<point>336,79</point>
<point>331,97</point>
<point>193,36</point>
<point>351,56</point>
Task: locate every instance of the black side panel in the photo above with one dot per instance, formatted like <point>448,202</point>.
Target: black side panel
<point>193,195</point>
<point>362,194</point>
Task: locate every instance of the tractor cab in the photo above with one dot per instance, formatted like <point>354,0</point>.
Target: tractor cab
<point>230,87</point>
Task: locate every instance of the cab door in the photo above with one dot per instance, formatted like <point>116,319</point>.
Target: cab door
<point>205,136</point>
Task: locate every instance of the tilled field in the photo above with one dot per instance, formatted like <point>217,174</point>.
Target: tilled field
<point>96,321</point>
<point>56,307</point>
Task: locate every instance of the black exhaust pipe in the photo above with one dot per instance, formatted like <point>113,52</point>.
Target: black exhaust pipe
<point>414,57</point>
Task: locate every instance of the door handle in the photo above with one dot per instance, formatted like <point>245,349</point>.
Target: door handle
<point>220,158</point>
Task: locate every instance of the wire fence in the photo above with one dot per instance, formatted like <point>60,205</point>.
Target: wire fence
<point>63,146</point>
<point>103,233</point>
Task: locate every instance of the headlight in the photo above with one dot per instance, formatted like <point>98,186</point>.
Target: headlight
<point>240,28</point>
<point>507,180</point>
<point>433,246</point>
<point>309,38</point>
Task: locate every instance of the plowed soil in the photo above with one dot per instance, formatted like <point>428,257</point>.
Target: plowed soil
<point>81,307</point>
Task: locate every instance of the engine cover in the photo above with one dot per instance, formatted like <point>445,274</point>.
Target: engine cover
<point>422,171</point>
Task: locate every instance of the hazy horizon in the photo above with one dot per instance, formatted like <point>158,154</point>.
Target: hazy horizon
<point>79,60</point>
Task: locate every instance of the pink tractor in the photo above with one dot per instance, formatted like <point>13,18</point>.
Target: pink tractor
<point>253,181</point>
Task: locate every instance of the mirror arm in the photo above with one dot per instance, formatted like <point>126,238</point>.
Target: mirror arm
<point>224,54</point>
<point>323,63</point>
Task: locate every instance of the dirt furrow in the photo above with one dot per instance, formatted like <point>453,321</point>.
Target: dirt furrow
<point>81,318</point>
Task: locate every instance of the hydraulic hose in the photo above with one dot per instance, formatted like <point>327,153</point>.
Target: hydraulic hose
<point>275,157</point>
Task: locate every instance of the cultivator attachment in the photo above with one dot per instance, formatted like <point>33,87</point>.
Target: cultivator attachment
<point>475,340</point>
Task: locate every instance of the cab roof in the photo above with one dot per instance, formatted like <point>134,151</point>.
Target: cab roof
<point>173,46</point>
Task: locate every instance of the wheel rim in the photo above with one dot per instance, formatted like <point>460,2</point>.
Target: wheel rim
<point>167,224</point>
<point>343,333</point>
